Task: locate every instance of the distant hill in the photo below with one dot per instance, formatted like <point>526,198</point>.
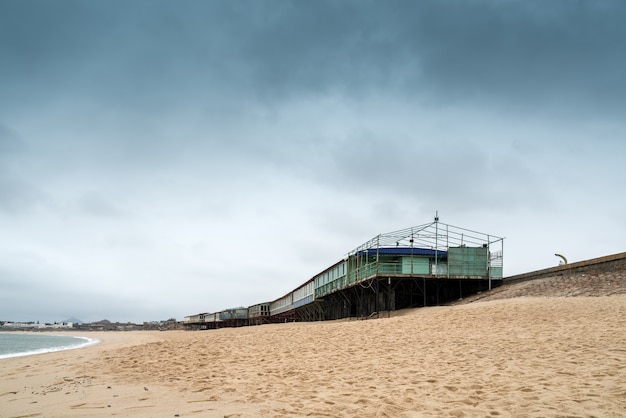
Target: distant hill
<point>73,320</point>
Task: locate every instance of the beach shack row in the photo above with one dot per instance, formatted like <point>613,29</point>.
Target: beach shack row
<point>419,266</point>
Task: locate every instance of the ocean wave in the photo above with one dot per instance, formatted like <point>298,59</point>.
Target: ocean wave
<point>86,342</point>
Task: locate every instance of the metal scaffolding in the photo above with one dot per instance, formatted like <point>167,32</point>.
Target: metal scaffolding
<point>438,239</point>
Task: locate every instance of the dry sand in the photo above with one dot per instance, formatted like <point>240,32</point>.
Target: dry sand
<point>563,356</point>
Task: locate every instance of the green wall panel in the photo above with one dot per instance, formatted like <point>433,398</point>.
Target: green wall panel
<point>468,261</point>
<point>415,265</point>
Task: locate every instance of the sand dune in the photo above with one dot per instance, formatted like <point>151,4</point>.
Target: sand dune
<point>526,356</point>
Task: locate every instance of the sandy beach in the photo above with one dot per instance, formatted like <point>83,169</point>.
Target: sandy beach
<point>526,356</point>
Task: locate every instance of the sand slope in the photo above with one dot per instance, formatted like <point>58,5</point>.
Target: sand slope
<point>513,357</point>
<point>566,284</point>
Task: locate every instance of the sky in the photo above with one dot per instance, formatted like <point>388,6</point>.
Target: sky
<point>164,158</point>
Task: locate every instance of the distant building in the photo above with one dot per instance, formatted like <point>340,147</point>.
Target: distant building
<point>35,325</point>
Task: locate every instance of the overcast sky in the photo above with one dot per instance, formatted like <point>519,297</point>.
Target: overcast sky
<point>163,158</point>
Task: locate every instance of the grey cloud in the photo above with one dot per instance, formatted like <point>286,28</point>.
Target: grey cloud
<point>34,304</point>
<point>17,195</point>
<point>424,161</point>
<point>10,142</point>
<point>33,289</point>
<point>511,52</point>
<point>17,192</point>
<point>94,205</point>
<point>525,51</point>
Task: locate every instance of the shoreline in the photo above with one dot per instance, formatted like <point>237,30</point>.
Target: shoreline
<point>524,356</point>
<point>87,342</point>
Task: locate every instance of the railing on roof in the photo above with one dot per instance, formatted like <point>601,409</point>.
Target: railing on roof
<point>435,235</point>
<point>433,239</point>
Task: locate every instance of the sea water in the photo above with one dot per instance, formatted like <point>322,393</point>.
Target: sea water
<point>17,344</point>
